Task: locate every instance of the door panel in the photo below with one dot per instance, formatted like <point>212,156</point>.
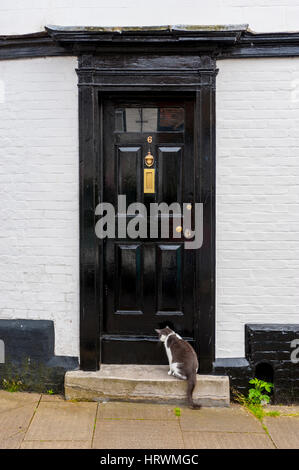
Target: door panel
<point>148,282</point>
<point>129,167</point>
<point>128,279</point>
<point>170,174</point>
<point>169,277</point>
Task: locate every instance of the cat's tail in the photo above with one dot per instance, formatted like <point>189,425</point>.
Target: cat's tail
<point>191,380</point>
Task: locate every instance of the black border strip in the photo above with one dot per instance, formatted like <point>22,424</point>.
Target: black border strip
<point>263,45</point>
<point>30,45</point>
<point>225,44</point>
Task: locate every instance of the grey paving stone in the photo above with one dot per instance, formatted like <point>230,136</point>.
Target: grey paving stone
<point>137,434</point>
<point>226,440</point>
<point>233,419</point>
<point>56,421</point>
<point>284,431</point>
<point>56,445</point>
<point>118,410</point>
<point>16,412</point>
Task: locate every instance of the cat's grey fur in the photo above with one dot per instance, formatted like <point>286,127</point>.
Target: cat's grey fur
<point>182,360</point>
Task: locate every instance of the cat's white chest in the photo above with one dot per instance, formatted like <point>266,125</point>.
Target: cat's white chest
<point>168,352</point>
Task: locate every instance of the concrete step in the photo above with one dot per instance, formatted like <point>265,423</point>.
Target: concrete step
<point>144,383</point>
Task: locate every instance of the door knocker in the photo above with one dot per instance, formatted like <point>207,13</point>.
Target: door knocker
<point>149,159</point>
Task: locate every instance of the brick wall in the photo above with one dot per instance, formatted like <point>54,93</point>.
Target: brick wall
<point>19,16</point>
<point>257,197</point>
<point>272,344</point>
<point>39,241</point>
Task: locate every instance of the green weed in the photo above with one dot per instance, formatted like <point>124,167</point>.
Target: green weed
<point>12,385</point>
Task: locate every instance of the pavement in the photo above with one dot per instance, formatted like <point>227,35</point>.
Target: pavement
<point>35,421</point>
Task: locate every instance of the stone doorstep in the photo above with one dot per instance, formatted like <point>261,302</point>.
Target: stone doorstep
<point>144,383</point>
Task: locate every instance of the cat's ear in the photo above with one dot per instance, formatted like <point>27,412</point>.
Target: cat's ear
<point>158,331</point>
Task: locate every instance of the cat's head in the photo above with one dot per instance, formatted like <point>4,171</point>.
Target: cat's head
<point>164,333</point>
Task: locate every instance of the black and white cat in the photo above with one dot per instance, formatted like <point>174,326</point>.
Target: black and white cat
<point>182,360</point>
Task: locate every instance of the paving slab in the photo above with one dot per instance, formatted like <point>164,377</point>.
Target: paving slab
<point>146,383</point>
<point>15,422</point>
<point>34,421</point>
<point>284,410</point>
<point>51,398</point>
<point>233,419</point>
<point>12,442</point>
<point>56,445</point>
<point>16,412</point>
<point>226,440</point>
<point>284,431</point>
<point>115,410</point>
<point>57,421</point>
<point>137,434</point>
<point>12,400</point>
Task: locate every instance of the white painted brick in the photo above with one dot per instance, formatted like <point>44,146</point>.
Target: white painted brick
<point>257,198</point>
<point>257,169</point>
<point>18,17</point>
<point>39,244</point>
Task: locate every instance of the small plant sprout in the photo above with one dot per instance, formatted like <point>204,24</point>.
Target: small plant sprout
<point>259,394</point>
<point>257,398</point>
<point>177,411</point>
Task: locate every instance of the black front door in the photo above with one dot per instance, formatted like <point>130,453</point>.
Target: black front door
<point>148,282</point>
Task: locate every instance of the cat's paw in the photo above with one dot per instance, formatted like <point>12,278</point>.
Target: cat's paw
<point>169,372</point>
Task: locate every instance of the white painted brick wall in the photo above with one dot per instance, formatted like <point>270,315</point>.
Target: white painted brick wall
<point>257,197</point>
<point>20,16</point>
<point>39,237</point>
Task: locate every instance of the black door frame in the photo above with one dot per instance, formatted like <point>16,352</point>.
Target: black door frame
<point>163,73</point>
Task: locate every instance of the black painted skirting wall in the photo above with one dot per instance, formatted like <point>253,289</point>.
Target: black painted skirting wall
<point>29,356</point>
<point>268,356</point>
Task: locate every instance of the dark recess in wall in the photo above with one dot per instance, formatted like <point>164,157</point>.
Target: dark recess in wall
<point>268,357</point>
